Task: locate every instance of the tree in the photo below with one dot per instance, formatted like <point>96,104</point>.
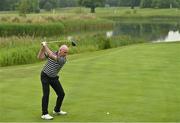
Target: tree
<point>27,6</point>
<point>6,5</point>
<point>160,3</point>
<point>67,3</point>
<point>135,3</point>
<point>35,6</point>
<point>178,3</point>
<point>124,2</point>
<point>24,7</point>
<point>131,3</point>
<point>71,3</point>
<point>62,3</point>
<point>92,4</point>
<point>48,4</point>
<point>42,3</point>
<point>112,2</point>
<point>146,3</point>
<point>165,3</point>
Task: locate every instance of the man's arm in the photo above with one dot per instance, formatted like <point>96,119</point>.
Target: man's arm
<point>41,54</point>
<point>49,52</point>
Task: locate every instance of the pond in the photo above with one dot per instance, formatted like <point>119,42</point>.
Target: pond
<point>155,32</point>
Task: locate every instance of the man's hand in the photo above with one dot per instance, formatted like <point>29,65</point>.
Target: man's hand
<point>44,43</point>
<point>48,51</point>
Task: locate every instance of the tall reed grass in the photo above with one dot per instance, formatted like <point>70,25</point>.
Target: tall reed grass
<point>53,29</point>
<point>31,29</point>
<point>25,50</point>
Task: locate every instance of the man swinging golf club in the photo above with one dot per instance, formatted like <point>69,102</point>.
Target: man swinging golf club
<point>49,76</point>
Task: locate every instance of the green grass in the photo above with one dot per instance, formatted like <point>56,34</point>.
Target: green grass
<point>75,13</point>
<point>137,12</point>
<point>132,83</point>
<point>101,11</point>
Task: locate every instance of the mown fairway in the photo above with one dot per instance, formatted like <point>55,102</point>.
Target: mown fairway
<point>132,83</point>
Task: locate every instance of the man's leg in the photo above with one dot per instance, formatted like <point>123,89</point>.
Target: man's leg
<point>56,85</point>
<point>45,98</point>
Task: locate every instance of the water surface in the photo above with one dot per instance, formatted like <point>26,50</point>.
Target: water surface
<point>155,32</point>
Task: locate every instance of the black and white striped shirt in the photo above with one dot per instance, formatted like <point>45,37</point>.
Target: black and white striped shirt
<point>52,67</point>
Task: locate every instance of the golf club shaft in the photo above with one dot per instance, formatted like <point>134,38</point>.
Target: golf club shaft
<point>73,43</point>
<point>55,42</point>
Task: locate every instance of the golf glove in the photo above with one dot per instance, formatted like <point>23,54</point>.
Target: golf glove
<point>43,43</point>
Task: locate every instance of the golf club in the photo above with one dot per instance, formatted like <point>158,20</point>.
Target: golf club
<point>73,43</point>
<point>69,40</point>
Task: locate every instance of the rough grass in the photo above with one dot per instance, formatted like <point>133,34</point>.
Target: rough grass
<point>138,12</point>
<point>74,13</point>
<point>23,50</point>
<point>132,83</point>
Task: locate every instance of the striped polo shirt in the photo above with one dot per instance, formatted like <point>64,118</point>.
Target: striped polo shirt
<point>53,67</point>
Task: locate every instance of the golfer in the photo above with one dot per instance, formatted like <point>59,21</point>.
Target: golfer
<point>49,76</point>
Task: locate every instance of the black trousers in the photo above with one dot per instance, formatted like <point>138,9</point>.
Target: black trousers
<point>55,84</point>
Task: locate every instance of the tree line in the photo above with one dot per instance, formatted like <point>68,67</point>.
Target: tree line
<point>28,6</point>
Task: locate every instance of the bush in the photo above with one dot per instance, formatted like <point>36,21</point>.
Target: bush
<point>15,20</point>
<point>128,12</point>
<point>103,43</point>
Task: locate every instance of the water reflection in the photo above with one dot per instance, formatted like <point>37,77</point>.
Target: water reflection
<point>149,32</point>
<point>171,37</point>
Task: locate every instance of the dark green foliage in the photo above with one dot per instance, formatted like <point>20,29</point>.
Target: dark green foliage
<point>160,3</point>
<point>48,6</point>
<point>67,3</point>
<point>103,42</point>
<point>92,4</point>
<point>6,5</point>
<point>36,5</point>
<point>131,3</point>
<point>27,6</point>
<point>146,3</point>
<point>31,29</point>
<point>165,4</point>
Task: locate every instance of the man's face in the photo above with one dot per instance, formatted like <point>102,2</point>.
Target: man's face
<point>63,52</point>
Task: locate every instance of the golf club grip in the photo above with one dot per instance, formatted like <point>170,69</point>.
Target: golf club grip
<point>55,42</point>
<point>52,42</point>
